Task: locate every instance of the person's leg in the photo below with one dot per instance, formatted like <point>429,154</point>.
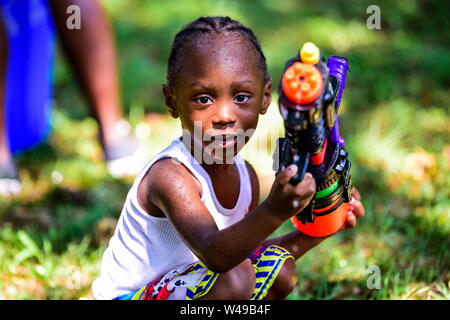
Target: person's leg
<point>9,181</point>
<point>196,282</point>
<point>269,274</point>
<point>276,273</point>
<point>92,55</point>
<point>236,284</point>
<point>285,281</point>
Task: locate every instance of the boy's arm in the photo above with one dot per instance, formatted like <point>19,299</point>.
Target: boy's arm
<point>296,242</point>
<point>173,190</point>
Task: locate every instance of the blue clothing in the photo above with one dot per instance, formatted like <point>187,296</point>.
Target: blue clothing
<point>28,98</point>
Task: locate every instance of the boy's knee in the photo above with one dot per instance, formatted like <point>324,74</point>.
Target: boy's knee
<point>242,281</point>
<point>285,281</point>
<point>238,283</point>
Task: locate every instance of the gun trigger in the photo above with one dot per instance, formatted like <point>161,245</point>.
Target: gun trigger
<point>281,157</point>
<point>306,215</point>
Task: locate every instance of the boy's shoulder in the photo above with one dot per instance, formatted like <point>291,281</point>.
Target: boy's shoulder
<point>170,171</point>
<point>162,178</point>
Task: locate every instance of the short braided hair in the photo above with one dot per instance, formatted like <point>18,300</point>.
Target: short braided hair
<point>211,25</point>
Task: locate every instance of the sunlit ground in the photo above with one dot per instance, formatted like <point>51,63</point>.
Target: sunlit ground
<point>394,118</point>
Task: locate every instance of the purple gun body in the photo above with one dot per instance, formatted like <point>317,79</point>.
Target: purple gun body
<point>338,68</point>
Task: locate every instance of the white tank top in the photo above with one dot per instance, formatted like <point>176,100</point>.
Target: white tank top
<point>145,247</point>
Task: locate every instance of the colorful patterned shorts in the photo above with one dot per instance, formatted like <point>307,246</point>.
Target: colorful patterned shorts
<point>195,280</point>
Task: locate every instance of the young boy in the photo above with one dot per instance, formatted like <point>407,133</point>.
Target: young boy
<point>191,226</point>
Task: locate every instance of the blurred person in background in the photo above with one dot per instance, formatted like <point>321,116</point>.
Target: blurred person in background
<point>26,54</point>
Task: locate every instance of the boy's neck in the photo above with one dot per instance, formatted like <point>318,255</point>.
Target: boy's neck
<point>215,167</point>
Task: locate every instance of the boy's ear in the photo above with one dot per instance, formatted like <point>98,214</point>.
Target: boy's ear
<point>169,99</point>
<point>267,97</point>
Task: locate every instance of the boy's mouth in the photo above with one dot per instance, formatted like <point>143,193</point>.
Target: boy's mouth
<point>224,140</point>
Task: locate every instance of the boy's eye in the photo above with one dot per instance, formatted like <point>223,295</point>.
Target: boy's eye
<point>203,100</point>
<point>241,98</point>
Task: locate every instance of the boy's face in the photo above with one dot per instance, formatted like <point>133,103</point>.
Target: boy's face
<point>219,92</point>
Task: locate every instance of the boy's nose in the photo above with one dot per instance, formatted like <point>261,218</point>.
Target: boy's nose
<point>223,117</point>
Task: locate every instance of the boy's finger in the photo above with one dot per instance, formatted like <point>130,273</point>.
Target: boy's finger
<point>304,191</point>
<point>358,208</point>
<point>351,221</point>
<point>284,177</point>
<point>307,187</point>
<point>356,194</point>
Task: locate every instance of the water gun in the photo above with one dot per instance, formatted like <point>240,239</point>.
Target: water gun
<point>310,93</point>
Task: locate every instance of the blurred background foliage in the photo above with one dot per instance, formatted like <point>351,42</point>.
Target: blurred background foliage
<point>394,117</point>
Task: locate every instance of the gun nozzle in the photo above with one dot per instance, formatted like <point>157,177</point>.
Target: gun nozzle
<point>302,83</point>
<point>310,53</point>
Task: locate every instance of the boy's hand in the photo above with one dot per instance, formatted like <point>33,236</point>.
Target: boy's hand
<point>356,210</point>
<point>287,200</point>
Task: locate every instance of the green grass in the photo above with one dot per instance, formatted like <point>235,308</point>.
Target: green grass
<point>394,117</point>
